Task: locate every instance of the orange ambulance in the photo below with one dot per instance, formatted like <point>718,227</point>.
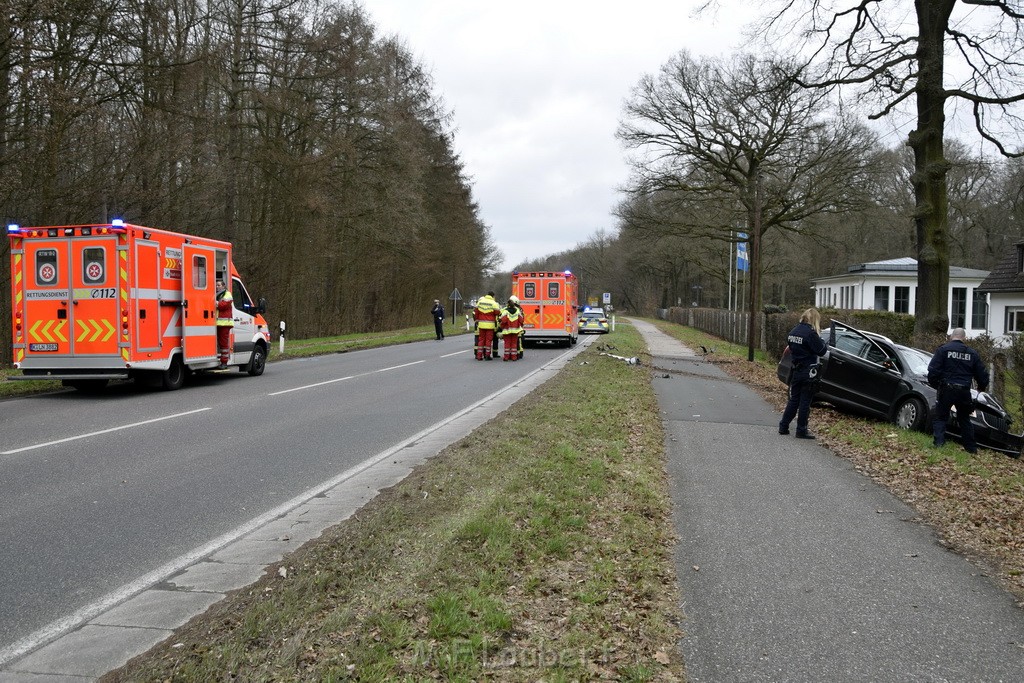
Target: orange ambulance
<point>549,301</point>
<point>91,303</point>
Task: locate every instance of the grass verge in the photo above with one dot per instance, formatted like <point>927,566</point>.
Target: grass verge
<point>976,503</point>
<point>538,548</point>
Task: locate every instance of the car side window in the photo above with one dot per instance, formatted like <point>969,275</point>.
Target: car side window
<point>875,354</point>
<point>850,343</point>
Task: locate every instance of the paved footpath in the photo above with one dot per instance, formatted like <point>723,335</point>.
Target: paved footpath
<point>795,567</point>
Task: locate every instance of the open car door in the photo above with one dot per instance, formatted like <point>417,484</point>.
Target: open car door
<point>860,370</point>
<point>199,303</point>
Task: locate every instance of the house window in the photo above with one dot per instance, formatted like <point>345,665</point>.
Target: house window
<point>979,310</point>
<point>902,300</point>
<point>958,308</point>
<point>881,298</point>
<point>1014,319</point>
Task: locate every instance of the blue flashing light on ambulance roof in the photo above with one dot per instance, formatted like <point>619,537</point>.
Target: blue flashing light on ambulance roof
<point>117,222</point>
<point>13,227</point>
<point>568,272</point>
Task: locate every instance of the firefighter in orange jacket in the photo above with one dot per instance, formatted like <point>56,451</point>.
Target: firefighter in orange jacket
<point>511,328</point>
<point>225,321</point>
<point>486,316</point>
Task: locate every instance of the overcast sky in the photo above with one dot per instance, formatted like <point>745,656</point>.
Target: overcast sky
<point>537,90</point>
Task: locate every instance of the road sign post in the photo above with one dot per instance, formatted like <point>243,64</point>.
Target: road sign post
<point>455,298</point>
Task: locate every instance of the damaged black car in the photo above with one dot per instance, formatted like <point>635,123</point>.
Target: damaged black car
<point>870,374</point>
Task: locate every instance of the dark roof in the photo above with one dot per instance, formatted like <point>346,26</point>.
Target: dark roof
<point>1006,276</point>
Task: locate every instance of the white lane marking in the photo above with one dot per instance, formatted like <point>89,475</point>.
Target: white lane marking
<point>103,431</point>
<point>310,386</point>
<point>449,355</point>
<point>342,379</point>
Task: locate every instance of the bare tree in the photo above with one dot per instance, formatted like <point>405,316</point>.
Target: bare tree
<point>873,47</point>
<point>740,136</point>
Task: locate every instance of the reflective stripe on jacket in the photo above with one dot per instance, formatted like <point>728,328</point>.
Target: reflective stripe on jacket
<point>225,311</point>
<point>512,322</point>
<point>486,313</point>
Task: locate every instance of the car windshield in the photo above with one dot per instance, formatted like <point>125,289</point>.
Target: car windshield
<point>593,314</point>
<point>915,360</point>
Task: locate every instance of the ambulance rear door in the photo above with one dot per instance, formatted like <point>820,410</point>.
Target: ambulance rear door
<point>44,272</point>
<point>552,308</point>
<point>199,303</point>
<point>527,292</point>
<point>95,285</point>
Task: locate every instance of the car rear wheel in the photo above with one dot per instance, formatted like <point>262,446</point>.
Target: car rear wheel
<point>911,414</point>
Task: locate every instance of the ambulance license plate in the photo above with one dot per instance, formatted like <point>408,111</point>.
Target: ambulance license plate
<point>42,347</point>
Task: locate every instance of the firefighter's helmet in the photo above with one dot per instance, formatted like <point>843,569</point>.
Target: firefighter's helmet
<point>513,299</point>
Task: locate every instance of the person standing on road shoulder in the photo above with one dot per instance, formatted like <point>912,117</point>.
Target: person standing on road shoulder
<point>805,347</point>
<point>225,321</point>
<point>486,316</point>
<point>438,312</point>
<point>511,325</point>
<point>950,373</point>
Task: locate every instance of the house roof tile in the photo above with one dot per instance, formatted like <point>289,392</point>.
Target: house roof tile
<point>1006,276</point>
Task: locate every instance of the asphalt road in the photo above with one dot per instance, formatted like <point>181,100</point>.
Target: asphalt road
<point>796,567</point>
<point>98,490</point>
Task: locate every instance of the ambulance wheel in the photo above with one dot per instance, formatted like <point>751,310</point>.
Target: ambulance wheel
<point>257,363</point>
<point>174,376</point>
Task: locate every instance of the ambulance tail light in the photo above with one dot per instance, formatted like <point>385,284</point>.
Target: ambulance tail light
<point>115,228</point>
<point>124,322</point>
<point>17,322</point>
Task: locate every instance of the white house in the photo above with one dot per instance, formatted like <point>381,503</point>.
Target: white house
<point>892,286</point>
<point>1005,289</point>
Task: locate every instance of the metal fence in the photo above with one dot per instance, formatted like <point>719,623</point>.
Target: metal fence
<point>733,326</point>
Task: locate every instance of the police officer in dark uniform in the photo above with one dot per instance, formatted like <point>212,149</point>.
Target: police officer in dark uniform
<point>805,347</point>
<point>950,372</point>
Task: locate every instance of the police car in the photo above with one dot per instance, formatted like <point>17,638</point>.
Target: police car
<point>593,320</point>
<point>870,374</point>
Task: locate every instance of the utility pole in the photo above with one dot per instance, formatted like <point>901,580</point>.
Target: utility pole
<point>755,267</point>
